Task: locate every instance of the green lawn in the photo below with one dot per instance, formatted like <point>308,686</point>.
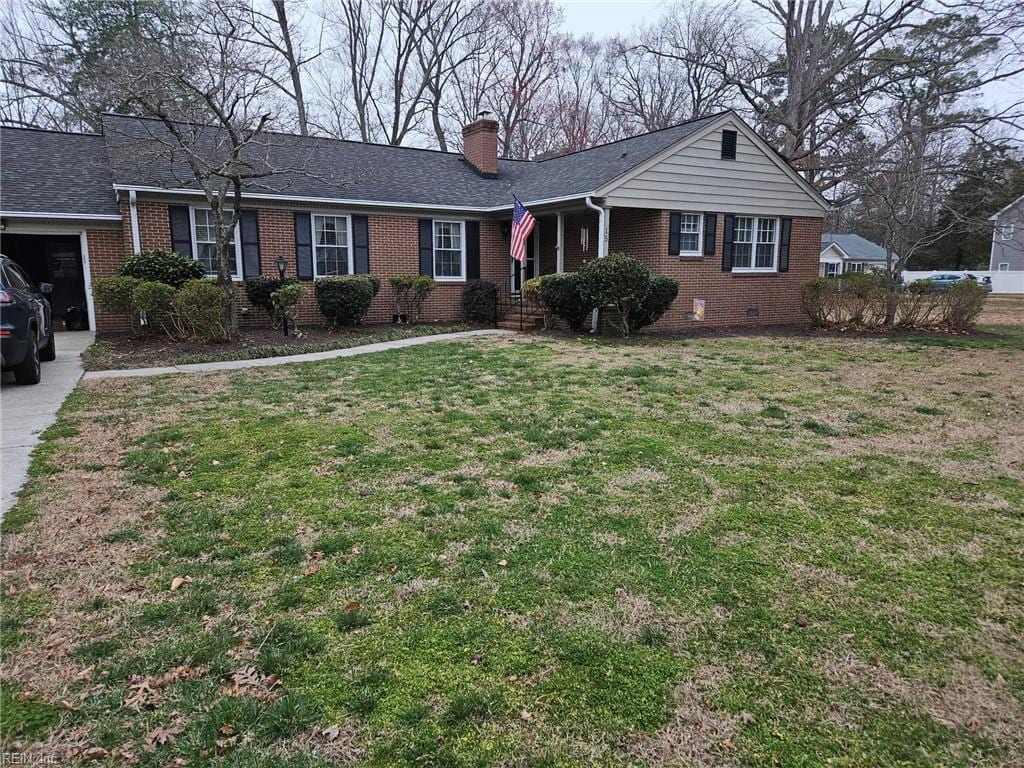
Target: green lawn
<point>792,551</point>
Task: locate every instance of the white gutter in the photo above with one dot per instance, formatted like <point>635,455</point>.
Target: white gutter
<point>61,215</point>
<point>134,208</point>
<point>602,244</point>
<point>343,202</point>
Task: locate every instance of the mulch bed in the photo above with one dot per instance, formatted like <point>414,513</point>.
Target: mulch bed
<point>125,351</point>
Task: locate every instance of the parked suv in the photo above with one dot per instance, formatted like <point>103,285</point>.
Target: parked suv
<point>26,334</point>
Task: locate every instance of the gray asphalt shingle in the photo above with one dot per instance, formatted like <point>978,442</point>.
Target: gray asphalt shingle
<point>854,246</point>
<point>51,172</point>
<point>45,171</point>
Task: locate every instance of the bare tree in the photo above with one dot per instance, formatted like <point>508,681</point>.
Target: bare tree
<point>279,30</point>
<point>523,60</point>
<point>452,36</point>
<point>210,126</point>
<point>54,54</point>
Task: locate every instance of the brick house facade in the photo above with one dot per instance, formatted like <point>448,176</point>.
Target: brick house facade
<point>637,187</point>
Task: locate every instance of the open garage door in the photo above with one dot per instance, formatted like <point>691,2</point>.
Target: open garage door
<point>54,259</point>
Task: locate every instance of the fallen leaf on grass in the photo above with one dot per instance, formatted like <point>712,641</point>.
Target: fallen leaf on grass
<point>179,581</point>
<point>160,736</point>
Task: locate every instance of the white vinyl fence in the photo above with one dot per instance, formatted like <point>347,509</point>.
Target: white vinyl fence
<point>1002,282</point>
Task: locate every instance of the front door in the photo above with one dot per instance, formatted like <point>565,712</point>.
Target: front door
<point>521,272</point>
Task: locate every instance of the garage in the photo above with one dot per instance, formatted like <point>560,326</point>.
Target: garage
<point>54,259</point>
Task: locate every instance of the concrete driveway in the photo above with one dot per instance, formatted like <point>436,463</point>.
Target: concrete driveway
<point>25,411</point>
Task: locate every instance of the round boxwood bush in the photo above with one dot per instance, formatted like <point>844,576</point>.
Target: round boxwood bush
<point>114,294</point>
<point>155,302</point>
<point>563,296</point>
<point>160,266</point>
<point>345,299</point>
<point>199,310</point>
<point>480,301</point>
<point>662,291</point>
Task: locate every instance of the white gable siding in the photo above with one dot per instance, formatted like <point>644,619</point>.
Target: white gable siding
<point>696,178</point>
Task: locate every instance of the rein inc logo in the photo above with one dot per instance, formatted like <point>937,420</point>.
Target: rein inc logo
<point>28,758</point>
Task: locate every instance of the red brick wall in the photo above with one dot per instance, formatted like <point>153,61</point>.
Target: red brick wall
<point>106,252</point>
<point>728,295</point>
<point>394,249</point>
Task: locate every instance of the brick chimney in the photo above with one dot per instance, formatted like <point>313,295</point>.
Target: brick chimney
<point>480,145</point>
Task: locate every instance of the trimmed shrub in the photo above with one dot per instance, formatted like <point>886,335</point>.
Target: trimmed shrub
<point>864,296</point>
<point>286,303</point>
<point>260,290</point>
<point>662,293</point>
<point>563,296</point>
<point>411,293</point>
<point>962,304</point>
<point>620,282</point>
<point>480,301</point>
<point>166,267</point>
<point>345,299</point>
<point>155,304</point>
<point>114,294</point>
<point>920,304</point>
<point>199,311</point>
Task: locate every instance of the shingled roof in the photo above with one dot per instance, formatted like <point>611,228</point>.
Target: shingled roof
<point>318,168</point>
<point>853,246</point>
<point>75,174</point>
<point>52,172</point>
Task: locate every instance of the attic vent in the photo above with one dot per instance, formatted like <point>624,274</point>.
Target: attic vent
<point>728,145</point>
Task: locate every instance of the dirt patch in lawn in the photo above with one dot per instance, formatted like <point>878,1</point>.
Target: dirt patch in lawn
<point>698,733</point>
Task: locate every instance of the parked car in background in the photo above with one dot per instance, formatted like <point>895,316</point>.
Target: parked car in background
<point>945,279</point>
<point>26,331</point>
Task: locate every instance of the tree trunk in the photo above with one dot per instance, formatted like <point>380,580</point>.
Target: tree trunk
<point>293,66</point>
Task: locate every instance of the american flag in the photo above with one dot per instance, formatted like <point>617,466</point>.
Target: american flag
<point>522,225</point>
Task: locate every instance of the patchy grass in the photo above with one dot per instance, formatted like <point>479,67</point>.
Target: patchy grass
<point>732,550</point>
<point>119,352</point>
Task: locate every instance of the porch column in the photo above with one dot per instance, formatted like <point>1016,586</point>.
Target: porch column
<point>559,244</point>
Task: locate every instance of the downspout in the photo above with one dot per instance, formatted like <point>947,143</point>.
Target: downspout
<point>602,245</point>
<point>134,211</point>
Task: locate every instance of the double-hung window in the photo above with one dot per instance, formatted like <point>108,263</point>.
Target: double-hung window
<point>690,234</point>
<point>755,244</point>
<point>449,250</point>
<point>332,246</point>
<point>831,269</point>
<point>204,240</point>
<point>855,266</point>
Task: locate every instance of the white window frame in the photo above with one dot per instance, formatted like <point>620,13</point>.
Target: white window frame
<point>700,233</point>
<point>237,276</point>
<point>857,267</point>
<point>1007,232</point>
<point>348,229</point>
<point>433,252</point>
<point>832,268</point>
<point>753,243</point>
<point>1003,266</point>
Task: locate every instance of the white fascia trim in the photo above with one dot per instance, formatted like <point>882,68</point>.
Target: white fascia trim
<point>995,216</point>
<point>747,131</point>
<point>342,202</point>
<point>62,215</point>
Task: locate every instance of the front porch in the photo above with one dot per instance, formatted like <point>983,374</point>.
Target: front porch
<point>562,241</point>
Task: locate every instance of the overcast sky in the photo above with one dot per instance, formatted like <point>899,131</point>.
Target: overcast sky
<point>606,18</point>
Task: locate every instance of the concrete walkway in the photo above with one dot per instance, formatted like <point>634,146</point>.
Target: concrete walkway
<point>25,411</point>
<point>235,365</point>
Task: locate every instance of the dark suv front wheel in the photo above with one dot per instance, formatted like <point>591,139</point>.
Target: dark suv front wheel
<point>30,370</point>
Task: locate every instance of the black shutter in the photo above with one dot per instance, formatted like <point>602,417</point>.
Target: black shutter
<point>427,247</point>
<point>361,244</point>
<point>181,230</point>
<point>248,223</point>
<point>472,250</point>
<point>675,223</point>
<point>303,245</point>
<point>728,145</point>
<point>786,225</point>
<point>710,230</point>
<point>727,234</point>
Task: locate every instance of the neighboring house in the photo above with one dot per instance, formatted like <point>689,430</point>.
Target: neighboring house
<point>707,203</point>
<point>841,253</point>
<point>1008,238</point>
